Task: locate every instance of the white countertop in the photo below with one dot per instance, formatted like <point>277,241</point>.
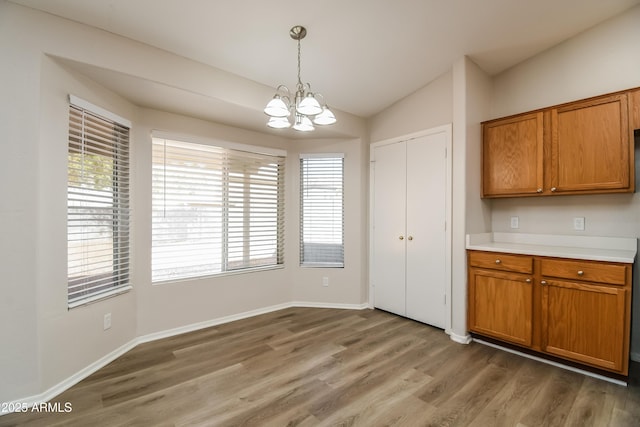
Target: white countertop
<point>612,249</point>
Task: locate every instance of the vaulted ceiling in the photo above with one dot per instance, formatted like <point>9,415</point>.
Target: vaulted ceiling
<point>362,55</point>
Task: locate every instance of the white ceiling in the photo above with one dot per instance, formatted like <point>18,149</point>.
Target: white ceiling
<point>362,55</point>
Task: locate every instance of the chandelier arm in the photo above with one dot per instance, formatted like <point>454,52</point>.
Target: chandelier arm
<point>284,89</point>
<point>303,104</point>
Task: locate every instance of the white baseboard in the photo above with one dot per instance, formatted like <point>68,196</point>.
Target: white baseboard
<point>72,380</point>
<point>105,360</point>
<point>460,339</point>
<point>329,305</point>
<point>209,323</point>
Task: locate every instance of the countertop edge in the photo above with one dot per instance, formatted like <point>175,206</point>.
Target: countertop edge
<point>622,254</point>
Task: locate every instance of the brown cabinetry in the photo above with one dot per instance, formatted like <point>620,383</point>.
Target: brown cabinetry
<point>513,156</point>
<point>581,147</point>
<point>506,278</point>
<point>573,309</point>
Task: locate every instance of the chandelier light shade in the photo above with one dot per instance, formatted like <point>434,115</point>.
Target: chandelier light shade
<point>305,109</point>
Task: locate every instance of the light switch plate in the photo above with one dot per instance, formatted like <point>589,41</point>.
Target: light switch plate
<point>515,222</point>
<point>578,223</point>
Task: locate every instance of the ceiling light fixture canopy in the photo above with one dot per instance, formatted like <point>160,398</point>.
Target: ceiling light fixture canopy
<point>306,107</point>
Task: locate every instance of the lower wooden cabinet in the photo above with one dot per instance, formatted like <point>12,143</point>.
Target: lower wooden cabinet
<point>573,309</point>
<point>584,322</point>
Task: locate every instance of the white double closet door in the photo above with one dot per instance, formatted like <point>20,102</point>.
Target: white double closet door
<point>410,266</point>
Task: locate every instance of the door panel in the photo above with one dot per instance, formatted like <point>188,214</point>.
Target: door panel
<point>389,194</point>
<point>426,233</point>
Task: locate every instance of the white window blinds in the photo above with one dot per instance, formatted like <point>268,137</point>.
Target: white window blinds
<point>322,210</point>
<point>214,210</point>
<point>97,205</point>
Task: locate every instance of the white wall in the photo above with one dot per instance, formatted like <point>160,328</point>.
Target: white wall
<point>19,99</point>
<point>603,59</point>
<point>428,107</point>
<point>471,90</point>
<point>600,60</point>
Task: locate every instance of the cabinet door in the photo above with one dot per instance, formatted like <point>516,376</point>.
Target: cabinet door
<point>590,149</point>
<point>584,322</point>
<point>512,156</point>
<point>389,239</point>
<point>500,305</point>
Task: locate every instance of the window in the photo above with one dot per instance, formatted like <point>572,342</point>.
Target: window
<point>322,210</point>
<point>97,203</point>
<point>215,210</point>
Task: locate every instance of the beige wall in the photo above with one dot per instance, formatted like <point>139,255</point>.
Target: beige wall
<point>603,59</point>
<point>346,285</point>
<point>47,347</point>
<point>428,107</point>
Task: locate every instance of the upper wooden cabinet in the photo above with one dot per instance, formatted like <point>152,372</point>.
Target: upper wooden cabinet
<point>513,156</point>
<point>583,147</point>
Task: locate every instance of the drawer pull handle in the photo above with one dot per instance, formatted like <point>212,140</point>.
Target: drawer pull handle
<point>528,280</point>
<point>580,273</point>
<point>498,261</point>
<point>544,282</point>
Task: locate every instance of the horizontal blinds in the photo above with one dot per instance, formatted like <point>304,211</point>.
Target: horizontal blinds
<point>97,206</point>
<point>214,210</point>
<point>322,210</point>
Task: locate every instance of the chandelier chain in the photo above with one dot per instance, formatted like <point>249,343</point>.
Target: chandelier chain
<point>299,79</point>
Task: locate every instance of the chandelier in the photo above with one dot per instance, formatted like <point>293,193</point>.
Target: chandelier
<point>306,108</point>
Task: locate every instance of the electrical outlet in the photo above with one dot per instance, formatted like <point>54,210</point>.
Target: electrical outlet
<point>325,281</point>
<point>515,222</point>
<point>107,321</point>
<point>578,223</point>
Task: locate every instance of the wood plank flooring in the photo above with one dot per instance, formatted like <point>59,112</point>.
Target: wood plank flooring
<point>326,367</point>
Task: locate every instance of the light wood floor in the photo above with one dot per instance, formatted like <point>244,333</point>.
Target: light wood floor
<point>325,367</point>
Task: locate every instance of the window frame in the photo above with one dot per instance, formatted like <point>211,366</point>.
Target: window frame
<point>231,149</point>
<point>340,261</point>
<point>89,136</point>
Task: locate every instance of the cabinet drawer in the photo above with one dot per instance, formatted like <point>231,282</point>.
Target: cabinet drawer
<point>614,274</point>
<point>501,261</point>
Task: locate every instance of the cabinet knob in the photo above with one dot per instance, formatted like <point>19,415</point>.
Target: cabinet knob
<point>498,261</point>
<point>410,238</point>
<point>528,280</point>
<point>553,189</point>
<point>580,272</point>
<point>539,190</point>
<point>543,282</point>
<point>401,237</point>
